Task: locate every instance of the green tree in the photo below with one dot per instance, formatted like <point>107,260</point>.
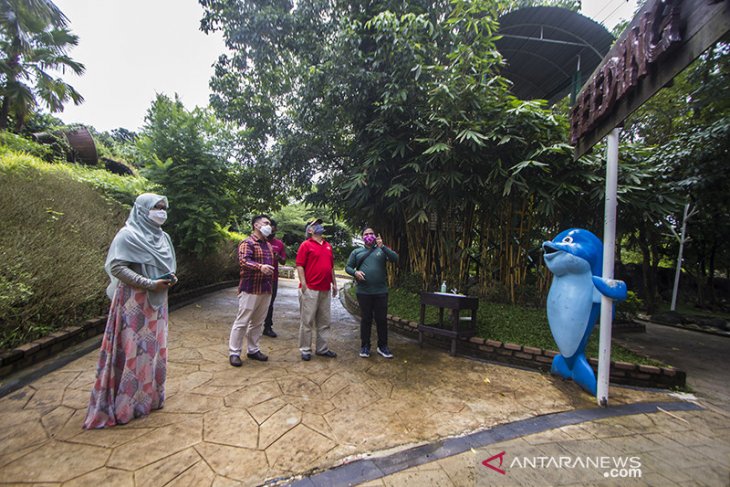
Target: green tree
<point>688,126</point>
<point>182,159</point>
<point>34,42</point>
<point>399,117</point>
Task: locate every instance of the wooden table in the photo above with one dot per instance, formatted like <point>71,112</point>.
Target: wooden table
<point>459,327</point>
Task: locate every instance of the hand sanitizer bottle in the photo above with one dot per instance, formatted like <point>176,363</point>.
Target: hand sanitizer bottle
<point>443,287</point>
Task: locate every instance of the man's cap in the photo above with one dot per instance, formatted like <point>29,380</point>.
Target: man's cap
<point>311,223</point>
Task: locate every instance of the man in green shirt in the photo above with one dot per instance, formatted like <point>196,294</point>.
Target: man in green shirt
<point>367,266</point>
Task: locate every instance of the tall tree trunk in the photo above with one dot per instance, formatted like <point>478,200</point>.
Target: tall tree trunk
<point>655,259</point>
<point>649,297</point>
<point>4,112</point>
<point>711,273</point>
<point>13,64</point>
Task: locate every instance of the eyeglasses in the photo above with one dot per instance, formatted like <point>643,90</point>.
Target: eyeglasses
<point>160,206</point>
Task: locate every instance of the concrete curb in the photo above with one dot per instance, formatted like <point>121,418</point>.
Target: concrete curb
<point>710,330</point>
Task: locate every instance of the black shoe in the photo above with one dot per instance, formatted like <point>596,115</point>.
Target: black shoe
<point>306,356</point>
<point>235,360</point>
<point>328,354</point>
<point>365,352</point>
<point>385,352</point>
<point>257,356</point>
<point>270,333</point>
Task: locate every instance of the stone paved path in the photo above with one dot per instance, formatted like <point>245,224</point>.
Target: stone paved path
<point>267,422</point>
<point>705,358</point>
<point>689,448</point>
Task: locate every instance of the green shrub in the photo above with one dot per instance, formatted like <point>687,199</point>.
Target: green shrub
<point>120,189</point>
<point>410,282</point>
<point>506,323</point>
<point>219,265</point>
<point>627,310</point>
<point>16,143</point>
<point>15,292</point>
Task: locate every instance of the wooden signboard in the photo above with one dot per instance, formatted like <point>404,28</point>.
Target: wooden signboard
<point>664,37</point>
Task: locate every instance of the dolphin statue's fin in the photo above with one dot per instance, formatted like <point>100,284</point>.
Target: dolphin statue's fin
<point>583,374</point>
<point>581,371</point>
<point>560,367</point>
<point>611,288</point>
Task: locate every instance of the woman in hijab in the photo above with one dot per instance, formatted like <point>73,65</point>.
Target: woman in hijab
<point>130,375</point>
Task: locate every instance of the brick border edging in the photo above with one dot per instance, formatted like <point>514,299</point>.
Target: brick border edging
<point>28,354</point>
<point>532,357</point>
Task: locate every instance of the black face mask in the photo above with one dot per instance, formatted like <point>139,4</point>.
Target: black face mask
<point>272,235</point>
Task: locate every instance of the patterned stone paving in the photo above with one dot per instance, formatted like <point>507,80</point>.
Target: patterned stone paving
<point>265,422</point>
<point>687,448</point>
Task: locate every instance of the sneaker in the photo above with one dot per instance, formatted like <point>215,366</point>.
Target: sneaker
<point>270,333</point>
<point>385,352</point>
<point>235,360</point>
<point>258,355</point>
<point>365,352</point>
<point>328,354</point>
<point>306,356</point>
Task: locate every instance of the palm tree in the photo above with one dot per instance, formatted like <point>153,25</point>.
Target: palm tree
<point>34,42</point>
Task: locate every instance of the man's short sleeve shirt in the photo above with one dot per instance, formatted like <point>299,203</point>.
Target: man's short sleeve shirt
<point>318,262</point>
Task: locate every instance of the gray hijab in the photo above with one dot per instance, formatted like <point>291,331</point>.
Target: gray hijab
<point>142,241</point>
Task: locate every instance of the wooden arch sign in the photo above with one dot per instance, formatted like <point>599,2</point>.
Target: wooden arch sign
<point>664,37</point>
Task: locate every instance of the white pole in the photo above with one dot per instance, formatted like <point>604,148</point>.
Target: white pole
<point>609,246</point>
<point>679,258</point>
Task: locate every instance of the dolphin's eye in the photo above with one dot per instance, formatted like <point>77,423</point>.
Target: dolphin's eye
<point>568,239</point>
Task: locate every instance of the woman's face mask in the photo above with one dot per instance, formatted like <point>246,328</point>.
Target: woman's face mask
<point>158,216</point>
<point>369,239</point>
<point>318,229</point>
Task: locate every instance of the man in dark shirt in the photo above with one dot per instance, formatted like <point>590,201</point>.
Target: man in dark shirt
<point>279,258</point>
<point>367,266</point>
<point>256,259</point>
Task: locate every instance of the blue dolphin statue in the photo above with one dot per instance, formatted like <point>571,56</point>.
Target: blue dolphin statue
<point>575,257</point>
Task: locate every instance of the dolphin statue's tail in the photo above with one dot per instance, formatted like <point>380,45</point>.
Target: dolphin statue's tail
<point>581,371</point>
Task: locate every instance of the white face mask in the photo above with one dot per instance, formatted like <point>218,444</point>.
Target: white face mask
<point>265,230</point>
<point>158,216</point>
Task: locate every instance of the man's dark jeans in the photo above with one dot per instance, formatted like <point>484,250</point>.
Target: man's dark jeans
<point>373,305</point>
<point>274,287</point>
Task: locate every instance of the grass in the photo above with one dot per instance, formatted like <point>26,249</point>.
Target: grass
<point>507,323</point>
<point>120,189</point>
<point>56,232</point>
<point>688,309</point>
<point>58,220</point>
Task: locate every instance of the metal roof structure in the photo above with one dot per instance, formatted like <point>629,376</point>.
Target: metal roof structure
<point>549,51</point>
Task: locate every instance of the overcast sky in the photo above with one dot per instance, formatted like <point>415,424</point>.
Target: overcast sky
<point>134,49</point>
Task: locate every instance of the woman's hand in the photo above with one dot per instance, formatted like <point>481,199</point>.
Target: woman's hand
<point>162,284</point>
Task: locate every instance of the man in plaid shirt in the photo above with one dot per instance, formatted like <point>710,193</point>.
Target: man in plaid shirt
<point>256,259</point>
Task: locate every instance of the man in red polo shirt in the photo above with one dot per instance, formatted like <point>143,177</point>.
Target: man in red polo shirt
<point>316,270</point>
